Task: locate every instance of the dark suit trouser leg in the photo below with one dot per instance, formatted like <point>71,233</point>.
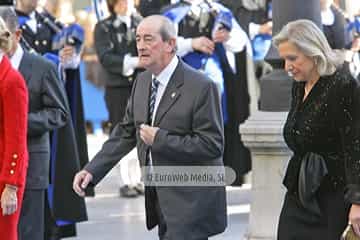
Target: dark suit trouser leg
<point>162,224</point>
<point>31,223</point>
<point>162,229</point>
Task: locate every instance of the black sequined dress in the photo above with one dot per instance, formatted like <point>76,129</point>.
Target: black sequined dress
<point>326,123</point>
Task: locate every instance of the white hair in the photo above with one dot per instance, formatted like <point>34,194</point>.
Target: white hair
<point>306,36</point>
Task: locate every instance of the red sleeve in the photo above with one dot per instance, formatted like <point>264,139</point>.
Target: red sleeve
<point>15,109</point>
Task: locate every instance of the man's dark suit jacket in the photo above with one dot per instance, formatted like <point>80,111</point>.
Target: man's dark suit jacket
<point>191,133</point>
<point>48,110</point>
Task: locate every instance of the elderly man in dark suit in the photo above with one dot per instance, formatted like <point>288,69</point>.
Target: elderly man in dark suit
<point>48,110</point>
<point>174,118</point>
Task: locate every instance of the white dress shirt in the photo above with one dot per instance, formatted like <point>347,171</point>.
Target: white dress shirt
<point>163,78</point>
<point>16,57</point>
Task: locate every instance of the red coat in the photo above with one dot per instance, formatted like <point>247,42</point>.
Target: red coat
<point>13,145</point>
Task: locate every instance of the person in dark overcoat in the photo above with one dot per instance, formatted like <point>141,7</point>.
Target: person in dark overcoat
<point>48,110</point>
<point>68,144</point>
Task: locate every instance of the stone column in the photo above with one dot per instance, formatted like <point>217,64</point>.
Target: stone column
<point>262,133</point>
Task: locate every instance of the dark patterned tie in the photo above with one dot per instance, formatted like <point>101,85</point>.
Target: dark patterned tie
<point>154,88</point>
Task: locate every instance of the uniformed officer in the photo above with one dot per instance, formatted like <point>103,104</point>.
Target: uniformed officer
<point>116,49</point>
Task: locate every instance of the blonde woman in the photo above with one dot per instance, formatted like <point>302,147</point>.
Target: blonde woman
<point>323,131</point>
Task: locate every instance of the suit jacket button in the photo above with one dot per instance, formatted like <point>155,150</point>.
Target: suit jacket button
<point>13,164</point>
<point>44,42</point>
<point>37,43</point>
<point>12,172</point>
<point>15,156</point>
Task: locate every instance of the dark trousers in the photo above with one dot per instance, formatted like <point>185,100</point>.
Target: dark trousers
<point>297,223</point>
<point>116,99</point>
<point>162,228</point>
<point>52,231</point>
<point>31,223</point>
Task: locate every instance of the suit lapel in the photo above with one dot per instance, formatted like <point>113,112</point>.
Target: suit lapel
<point>171,94</point>
<point>25,67</point>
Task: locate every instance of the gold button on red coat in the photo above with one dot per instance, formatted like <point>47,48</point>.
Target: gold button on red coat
<point>13,164</point>
<point>12,172</point>
<point>15,156</point>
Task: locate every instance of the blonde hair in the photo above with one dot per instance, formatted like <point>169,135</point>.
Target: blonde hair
<point>312,42</point>
<point>5,39</point>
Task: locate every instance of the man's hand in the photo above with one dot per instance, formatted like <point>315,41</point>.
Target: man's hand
<point>266,28</point>
<point>355,47</point>
<point>221,35</point>
<point>9,200</point>
<point>81,181</point>
<point>147,134</point>
<point>203,44</point>
<point>354,218</point>
<point>66,54</point>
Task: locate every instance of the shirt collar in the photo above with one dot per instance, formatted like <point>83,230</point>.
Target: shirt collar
<point>16,57</point>
<point>125,19</point>
<point>167,72</point>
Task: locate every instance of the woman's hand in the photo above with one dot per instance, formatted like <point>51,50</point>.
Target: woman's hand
<point>9,200</point>
<point>354,218</point>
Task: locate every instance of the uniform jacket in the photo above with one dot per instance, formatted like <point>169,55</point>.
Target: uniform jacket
<point>337,34</point>
<point>41,40</point>
<point>151,7</point>
<point>191,133</point>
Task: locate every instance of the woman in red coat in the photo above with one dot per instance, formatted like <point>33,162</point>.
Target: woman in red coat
<point>13,150</point>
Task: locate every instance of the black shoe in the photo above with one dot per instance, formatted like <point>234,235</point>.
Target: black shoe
<point>128,192</point>
<point>139,188</point>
